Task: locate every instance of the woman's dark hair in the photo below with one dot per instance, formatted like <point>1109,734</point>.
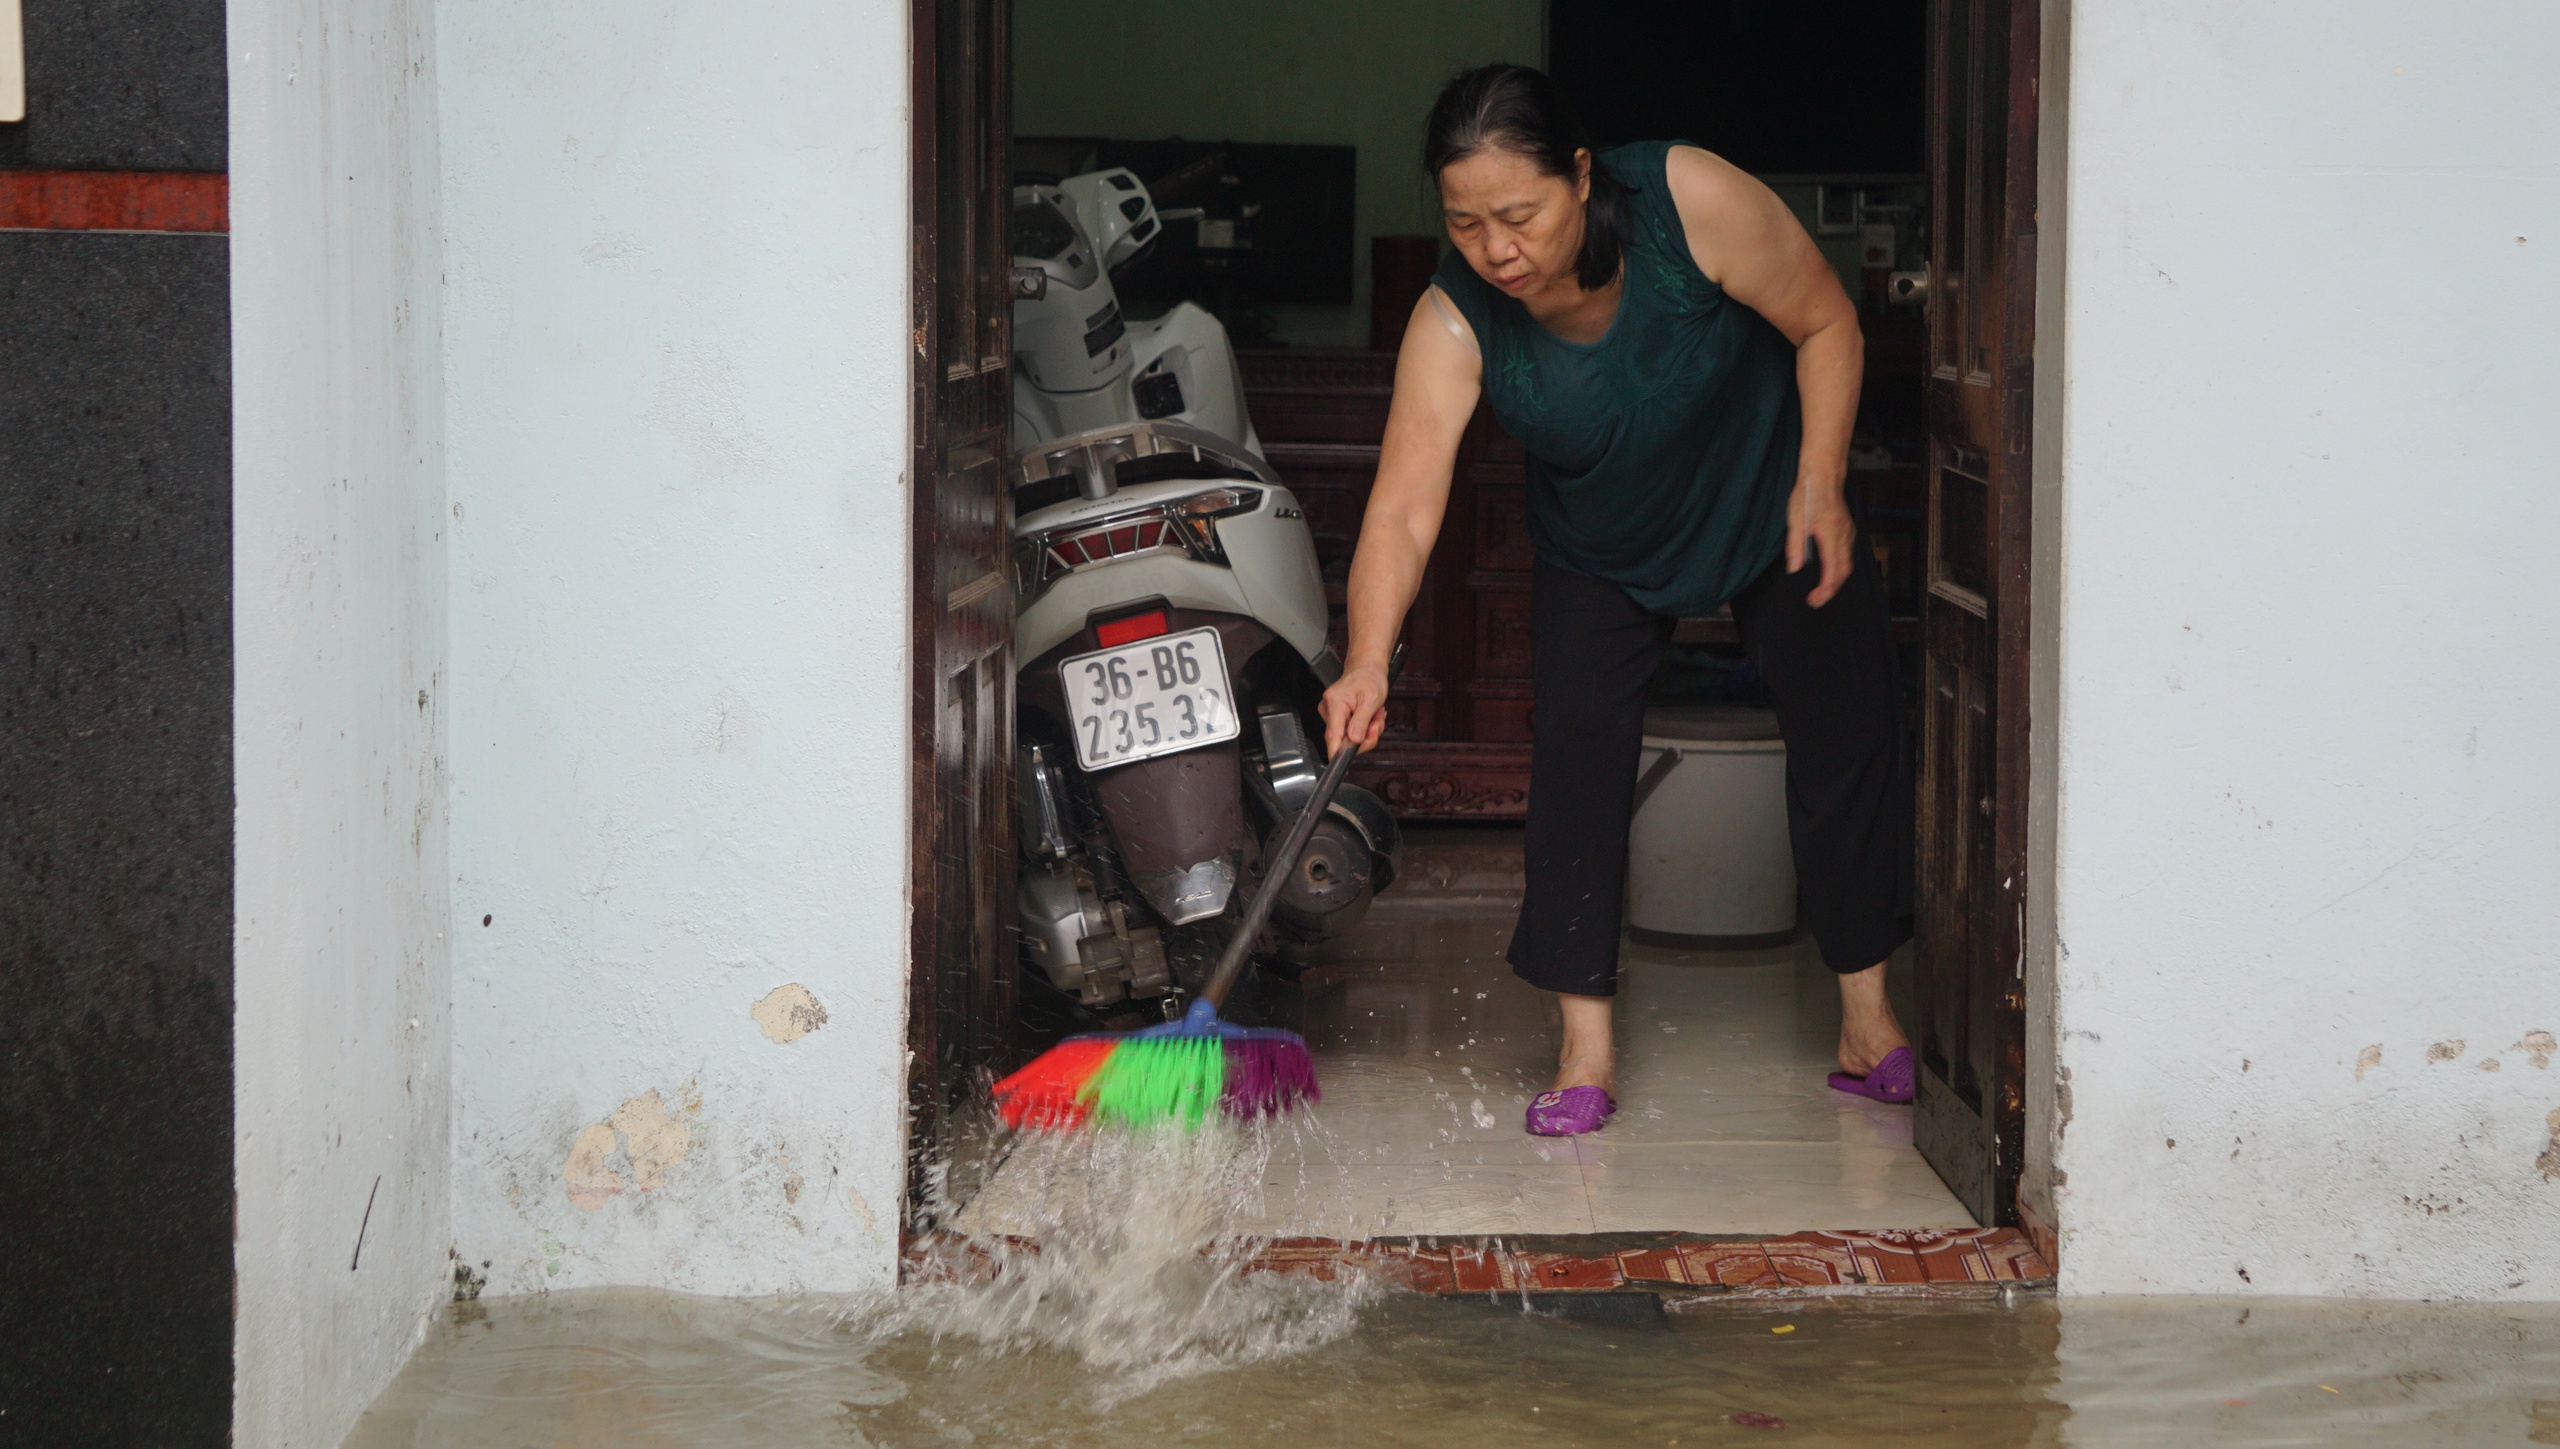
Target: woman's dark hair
<point>1516,109</point>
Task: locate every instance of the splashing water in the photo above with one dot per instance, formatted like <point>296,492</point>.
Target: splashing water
<point>1126,1250</point>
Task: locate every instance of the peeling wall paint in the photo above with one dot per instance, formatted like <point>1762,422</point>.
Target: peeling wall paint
<point>2306,787</point>
<point>787,1013</point>
<point>341,704</point>
<point>652,1140</point>
<point>675,323</point>
<point>589,1174</point>
<point>635,1146</point>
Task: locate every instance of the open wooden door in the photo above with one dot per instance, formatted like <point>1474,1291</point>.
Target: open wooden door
<point>960,991</point>
<point>1971,1033</point>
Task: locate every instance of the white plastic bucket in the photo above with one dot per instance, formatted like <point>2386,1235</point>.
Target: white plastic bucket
<point>1707,857</point>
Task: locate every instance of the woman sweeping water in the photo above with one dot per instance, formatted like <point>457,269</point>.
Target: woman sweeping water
<point>1659,334</point>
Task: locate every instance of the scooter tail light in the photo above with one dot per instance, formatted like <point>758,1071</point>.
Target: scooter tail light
<point>1132,629</point>
<point>1187,523</point>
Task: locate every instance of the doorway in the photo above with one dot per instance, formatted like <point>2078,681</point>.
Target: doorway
<point>1935,240</point>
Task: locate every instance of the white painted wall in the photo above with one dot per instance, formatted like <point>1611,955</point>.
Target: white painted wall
<point>2309,804</point>
<point>342,1088</point>
<point>676,318</point>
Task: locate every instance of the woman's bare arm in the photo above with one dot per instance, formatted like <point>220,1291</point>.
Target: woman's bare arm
<point>1438,377</point>
<point>1749,243</point>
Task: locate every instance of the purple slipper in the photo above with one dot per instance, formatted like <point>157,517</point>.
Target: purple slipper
<point>1889,1081</point>
<point>1571,1112</point>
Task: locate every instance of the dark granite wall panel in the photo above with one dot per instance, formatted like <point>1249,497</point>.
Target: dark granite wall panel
<point>128,85</point>
<point>115,839</point>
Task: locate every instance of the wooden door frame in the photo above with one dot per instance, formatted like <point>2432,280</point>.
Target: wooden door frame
<point>2010,473</point>
<point>935,830</point>
<point>924,468</point>
<point>2041,946</point>
<point>2014,617</point>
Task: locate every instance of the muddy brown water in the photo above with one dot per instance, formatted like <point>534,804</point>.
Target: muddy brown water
<point>640,1368</point>
<point>1136,1324</point>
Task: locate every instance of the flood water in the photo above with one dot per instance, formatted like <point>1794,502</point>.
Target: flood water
<point>1134,1324</point>
<point>639,1368</point>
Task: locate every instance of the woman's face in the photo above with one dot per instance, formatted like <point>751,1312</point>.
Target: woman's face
<point>1520,228</point>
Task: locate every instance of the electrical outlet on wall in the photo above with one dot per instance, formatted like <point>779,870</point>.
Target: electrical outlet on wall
<point>1876,245</point>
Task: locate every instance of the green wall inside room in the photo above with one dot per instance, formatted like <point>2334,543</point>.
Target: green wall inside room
<point>1332,72</point>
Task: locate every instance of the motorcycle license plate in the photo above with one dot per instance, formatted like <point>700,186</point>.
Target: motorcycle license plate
<point>1154,697</point>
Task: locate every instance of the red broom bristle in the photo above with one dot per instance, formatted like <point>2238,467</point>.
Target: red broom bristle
<point>1044,1093</point>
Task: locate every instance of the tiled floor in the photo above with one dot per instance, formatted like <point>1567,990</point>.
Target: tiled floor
<point>1429,1049</point>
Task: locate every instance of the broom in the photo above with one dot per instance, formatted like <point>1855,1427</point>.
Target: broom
<point>1174,1073</point>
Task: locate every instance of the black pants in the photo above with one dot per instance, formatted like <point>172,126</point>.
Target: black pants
<point>1849,805</point>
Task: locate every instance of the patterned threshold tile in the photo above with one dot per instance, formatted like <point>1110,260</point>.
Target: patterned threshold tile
<point>1728,1265</point>
<point>1806,1261</point>
<point>1653,1265</point>
<point>1679,1264</point>
<point>2019,1257</point>
<point>2040,1234</point>
<point>1905,1260</point>
<point>1566,1273</point>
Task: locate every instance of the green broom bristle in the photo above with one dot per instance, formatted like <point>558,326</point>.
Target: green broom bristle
<point>1165,1079</point>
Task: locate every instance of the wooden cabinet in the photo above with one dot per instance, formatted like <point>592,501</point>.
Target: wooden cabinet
<point>1460,715</point>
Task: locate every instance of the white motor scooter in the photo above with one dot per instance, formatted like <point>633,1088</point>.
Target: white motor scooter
<point>1170,628</point>
<point>1078,364</point>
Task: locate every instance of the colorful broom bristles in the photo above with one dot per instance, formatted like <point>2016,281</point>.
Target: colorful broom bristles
<point>1047,1093</point>
<point>1167,1075</point>
<point>1170,1079</point>
<point>1268,1073</point>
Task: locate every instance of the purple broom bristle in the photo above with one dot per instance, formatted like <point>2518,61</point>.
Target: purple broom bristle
<point>1267,1073</point>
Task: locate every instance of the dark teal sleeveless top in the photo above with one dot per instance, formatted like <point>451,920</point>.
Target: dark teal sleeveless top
<point>1662,455</point>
